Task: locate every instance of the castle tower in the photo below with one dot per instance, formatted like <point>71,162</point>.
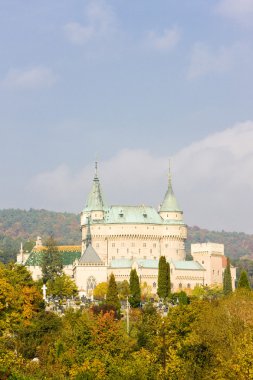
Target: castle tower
<point>94,211</point>
<point>170,209</point>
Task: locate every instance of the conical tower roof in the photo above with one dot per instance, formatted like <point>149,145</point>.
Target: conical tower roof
<point>170,203</point>
<point>90,256</point>
<point>95,200</point>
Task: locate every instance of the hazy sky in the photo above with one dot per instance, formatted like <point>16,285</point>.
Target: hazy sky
<point>131,83</point>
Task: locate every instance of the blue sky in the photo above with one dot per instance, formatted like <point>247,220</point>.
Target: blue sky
<point>131,83</point>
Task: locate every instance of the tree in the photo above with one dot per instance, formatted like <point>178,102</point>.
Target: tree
<point>162,289</point>
<point>51,261</point>
<point>135,290</point>
<point>100,291</point>
<point>227,279</point>
<point>123,289</point>
<point>62,286</point>
<point>168,280</point>
<point>112,297</point>
<point>243,282</point>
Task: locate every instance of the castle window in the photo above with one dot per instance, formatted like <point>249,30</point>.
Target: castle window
<point>154,284</point>
<point>180,286</point>
<point>188,286</point>
<point>154,245</point>
<point>117,250</point>
<point>145,215</point>
<point>133,245</point>
<point>144,244</point>
<point>91,283</point>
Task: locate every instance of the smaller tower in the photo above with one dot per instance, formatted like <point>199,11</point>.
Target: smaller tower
<point>95,206</point>
<point>170,209</point>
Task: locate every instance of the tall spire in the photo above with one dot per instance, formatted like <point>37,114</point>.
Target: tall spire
<point>88,234</point>
<point>96,169</point>
<point>170,202</point>
<point>95,200</point>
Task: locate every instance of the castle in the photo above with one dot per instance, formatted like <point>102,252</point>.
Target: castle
<point>116,239</point>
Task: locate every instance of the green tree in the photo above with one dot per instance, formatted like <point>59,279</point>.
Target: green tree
<point>51,265</point>
<point>168,280</point>
<point>123,289</point>
<point>227,279</point>
<point>162,289</point>
<point>243,282</point>
<point>112,296</point>
<point>62,286</point>
<point>135,290</point>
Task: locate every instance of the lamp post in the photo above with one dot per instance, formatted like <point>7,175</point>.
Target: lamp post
<point>127,315</point>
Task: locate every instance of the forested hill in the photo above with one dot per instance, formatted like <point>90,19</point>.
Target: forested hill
<point>22,225</point>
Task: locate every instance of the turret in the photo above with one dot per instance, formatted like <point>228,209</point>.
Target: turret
<point>169,209</point>
<point>95,206</point>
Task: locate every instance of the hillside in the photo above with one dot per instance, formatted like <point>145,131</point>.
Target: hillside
<point>21,225</point>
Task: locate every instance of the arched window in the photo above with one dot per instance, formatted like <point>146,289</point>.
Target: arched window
<point>91,284</point>
<point>180,286</point>
<point>154,284</point>
<point>188,286</point>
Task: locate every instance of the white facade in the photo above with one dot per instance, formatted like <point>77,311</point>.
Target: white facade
<point>116,239</point>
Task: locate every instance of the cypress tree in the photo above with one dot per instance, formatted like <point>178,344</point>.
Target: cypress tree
<point>112,296</point>
<point>243,282</point>
<point>227,279</point>
<point>135,290</point>
<point>162,289</point>
<point>168,280</point>
<point>51,263</point>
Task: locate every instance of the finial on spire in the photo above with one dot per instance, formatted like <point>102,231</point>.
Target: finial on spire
<point>169,172</point>
<point>96,169</point>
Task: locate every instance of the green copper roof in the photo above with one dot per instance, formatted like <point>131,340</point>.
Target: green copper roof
<point>187,265</point>
<point>68,257</point>
<point>170,203</point>
<point>127,263</point>
<point>132,214</point>
<point>95,200</point>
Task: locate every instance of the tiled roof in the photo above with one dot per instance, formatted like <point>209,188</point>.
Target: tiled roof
<point>90,256</point>
<point>68,255</point>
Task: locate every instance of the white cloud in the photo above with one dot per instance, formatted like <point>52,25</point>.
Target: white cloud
<point>100,22</point>
<point>212,179</point>
<point>32,78</point>
<point>204,61</point>
<point>239,10</point>
<point>165,41</point>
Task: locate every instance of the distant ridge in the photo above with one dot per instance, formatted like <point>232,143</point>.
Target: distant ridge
<point>25,225</point>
